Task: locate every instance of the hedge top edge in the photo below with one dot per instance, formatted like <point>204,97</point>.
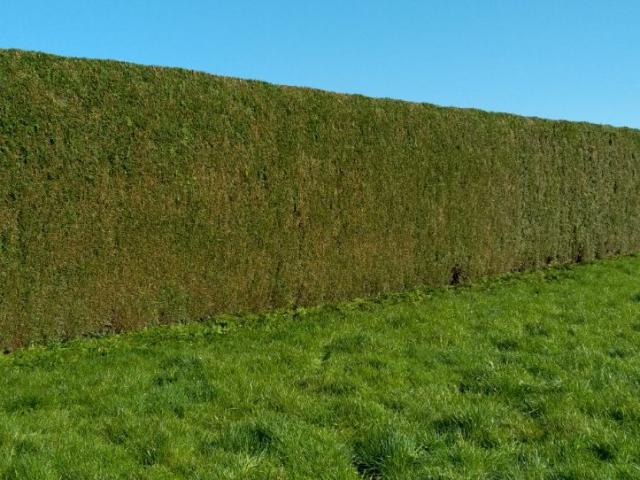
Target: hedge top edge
<point>18,52</point>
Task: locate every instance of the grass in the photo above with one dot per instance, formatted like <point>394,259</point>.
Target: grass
<point>534,375</point>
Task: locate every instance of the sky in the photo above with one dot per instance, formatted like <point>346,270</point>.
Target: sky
<point>564,59</point>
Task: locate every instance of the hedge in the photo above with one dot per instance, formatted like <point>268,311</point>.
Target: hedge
<point>133,196</point>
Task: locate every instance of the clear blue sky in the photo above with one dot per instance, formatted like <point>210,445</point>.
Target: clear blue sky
<point>568,59</point>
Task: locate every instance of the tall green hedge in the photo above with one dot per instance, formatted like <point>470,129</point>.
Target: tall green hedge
<point>135,195</point>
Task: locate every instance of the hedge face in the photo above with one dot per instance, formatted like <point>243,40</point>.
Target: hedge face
<point>136,195</point>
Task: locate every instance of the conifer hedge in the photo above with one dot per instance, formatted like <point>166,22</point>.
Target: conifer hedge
<point>134,195</point>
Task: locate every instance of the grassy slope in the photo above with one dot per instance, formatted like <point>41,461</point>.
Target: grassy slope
<point>532,376</point>
<point>146,196</point>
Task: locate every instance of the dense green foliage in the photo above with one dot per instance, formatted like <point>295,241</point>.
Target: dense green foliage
<point>136,195</point>
<point>530,376</point>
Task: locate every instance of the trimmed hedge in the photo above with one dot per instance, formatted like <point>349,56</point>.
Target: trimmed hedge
<point>135,195</point>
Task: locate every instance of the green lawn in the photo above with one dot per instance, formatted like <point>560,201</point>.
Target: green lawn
<point>527,376</point>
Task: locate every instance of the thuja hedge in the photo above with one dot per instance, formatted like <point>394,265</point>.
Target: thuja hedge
<point>134,195</point>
